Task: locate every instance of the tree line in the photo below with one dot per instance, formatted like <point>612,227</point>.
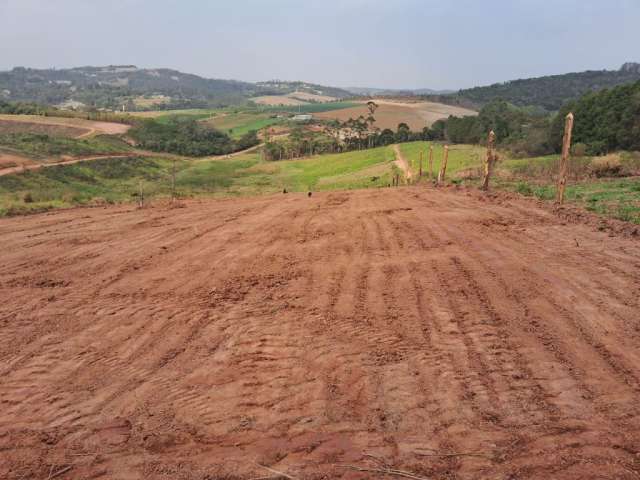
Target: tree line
<point>605,121</point>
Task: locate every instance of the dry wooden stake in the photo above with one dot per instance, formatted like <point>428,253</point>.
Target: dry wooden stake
<point>173,181</point>
<point>489,160</point>
<point>141,196</point>
<point>430,162</point>
<point>564,161</point>
<point>443,167</point>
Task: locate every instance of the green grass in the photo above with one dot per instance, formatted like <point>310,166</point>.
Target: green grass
<point>105,180</point>
<point>616,198</point>
<point>117,180</point>
<point>461,157</point>
<point>239,124</point>
<point>39,146</point>
<point>308,108</point>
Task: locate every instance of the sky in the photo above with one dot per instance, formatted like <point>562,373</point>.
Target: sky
<point>443,44</point>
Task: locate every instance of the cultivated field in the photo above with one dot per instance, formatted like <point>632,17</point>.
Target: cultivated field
<point>442,333</point>
<point>276,100</point>
<point>390,113</point>
<point>291,99</point>
<point>238,124</point>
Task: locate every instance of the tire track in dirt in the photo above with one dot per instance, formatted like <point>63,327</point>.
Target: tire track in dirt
<point>303,333</point>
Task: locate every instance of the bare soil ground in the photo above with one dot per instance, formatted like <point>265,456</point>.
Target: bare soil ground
<point>85,127</point>
<point>402,164</point>
<point>390,113</point>
<point>11,160</point>
<point>448,334</point>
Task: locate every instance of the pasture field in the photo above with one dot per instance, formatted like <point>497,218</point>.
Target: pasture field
<point>453,334</point>
<point>461,157</point>
<point>310,107</point>
<point>239,124</point>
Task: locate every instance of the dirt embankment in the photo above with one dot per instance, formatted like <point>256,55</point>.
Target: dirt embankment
<point>445,334</point>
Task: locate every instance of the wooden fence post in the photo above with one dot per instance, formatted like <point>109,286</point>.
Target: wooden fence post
<point>421,156</point>
<point>431,162</point>
<point>173,181</point>
<point>443,167</point>
<point>564,161</point>
<point>141,195</point>
<point>489,160</point>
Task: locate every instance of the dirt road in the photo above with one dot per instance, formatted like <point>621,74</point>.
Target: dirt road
<point>402,164</point>
<point>38,166</point>
<point>448,335</point>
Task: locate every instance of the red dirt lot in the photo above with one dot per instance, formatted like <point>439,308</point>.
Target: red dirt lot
<point>432,331</point>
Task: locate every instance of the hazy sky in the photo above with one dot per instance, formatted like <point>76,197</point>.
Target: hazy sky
<point>376,43</point>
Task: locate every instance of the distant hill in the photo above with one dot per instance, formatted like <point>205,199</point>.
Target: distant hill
<point>399,92</point>
<point>281,87</point>
<point>113,86</point>
<point>550,92</point>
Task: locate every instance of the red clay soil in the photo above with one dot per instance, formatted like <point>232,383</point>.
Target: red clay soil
<point>450,337</point>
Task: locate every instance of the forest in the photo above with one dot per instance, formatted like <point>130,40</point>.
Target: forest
<point>188,137</point>
<point>547,93</point>
<point>605,121</point>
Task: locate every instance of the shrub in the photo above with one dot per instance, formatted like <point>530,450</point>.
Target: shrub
<point>524,188</point>
<point>579,150</point>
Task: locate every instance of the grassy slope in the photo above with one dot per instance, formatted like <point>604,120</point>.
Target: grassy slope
<point>38,146</point>
<point>118,180</point>
<point>614,197</point>
<point>461,157</point>
<point>238,124</point>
